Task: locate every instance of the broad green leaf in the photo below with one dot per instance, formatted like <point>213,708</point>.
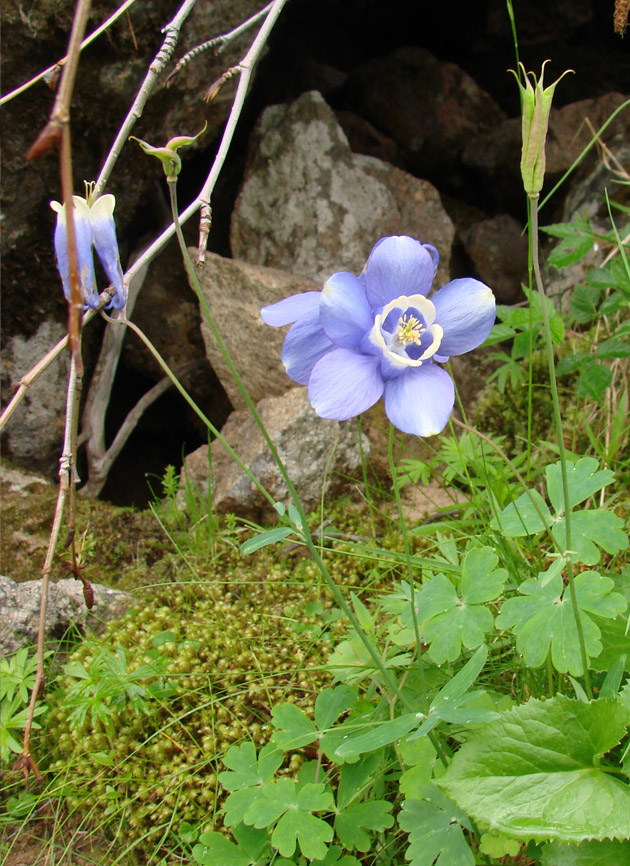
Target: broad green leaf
<point>380,735</point>
<point>591,528</point>
<point>584,478</point>
<point>246,776</point>
<point>311,832</point>
<point>613,348</point>
<point>333,858</point>
<point>447,620</point>
<point>498,845</point>
<point>214,848</point>
<point>521,517</point>
<point>434,825</point>
<point>608,852</point>
<point>355,778</point>
<point>353,821</point>
<point>593,381</point>
<point>615,638</point>
<point>542,618</point>
<point>263,539</point>
<point>534,773</point>
<point>419,756</point>
<point>331,703</point>
<point>294,729</point>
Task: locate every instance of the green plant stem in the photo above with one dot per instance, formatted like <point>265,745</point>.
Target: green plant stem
<point>410,576</point>
<point>533,226</point>
<point>388,678</point>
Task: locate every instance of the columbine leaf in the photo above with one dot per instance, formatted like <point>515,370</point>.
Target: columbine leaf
<point>215,848</point>
<point>542,618</point>
<point>497,845</point>
<point>293,727</point>
<point>534,773</point>
<point>521,517</point>
<point>448,620</point>
<point>589,529</point>
<point>331,703</point>
<point>584,478</point>
<point>352,822</point>
<point>434,824</point>
<point>246,776</point>
<point>312,834</point>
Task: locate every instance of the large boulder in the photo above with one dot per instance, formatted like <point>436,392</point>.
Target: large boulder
<point>66,610</point>
<point>320,456</point>
<point>311,207</point>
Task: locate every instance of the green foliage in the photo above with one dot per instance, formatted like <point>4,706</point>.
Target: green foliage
<point>17,678</point>
<point>435,826</point>
<point>529,772</point>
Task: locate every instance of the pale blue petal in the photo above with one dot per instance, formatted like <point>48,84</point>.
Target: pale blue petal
<point>345,313</point>
<point>466,310</point>
<point>83,240</point>
<point>344,384</point>
<point>305,343</point>
<point>106,246</point>
<point>290,309</point>
<point>398,266</point>
<point>421,401</point>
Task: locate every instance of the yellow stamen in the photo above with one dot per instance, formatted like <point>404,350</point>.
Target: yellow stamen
<point>409,330</point>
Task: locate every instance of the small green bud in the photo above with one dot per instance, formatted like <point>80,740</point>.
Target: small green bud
<point>171,161</point>
<point>536,106</point>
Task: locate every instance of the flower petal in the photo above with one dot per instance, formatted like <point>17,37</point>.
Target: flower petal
<point>344,384</point>
<point>303,346</point>
<point>345,313</point>
<point>466,310</point>
<point>397,266</point>
<point>290,309</point>
<point>83,239</point>
<point>106,246</point>
<point>420,401</point>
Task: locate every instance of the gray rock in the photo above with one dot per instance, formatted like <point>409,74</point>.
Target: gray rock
<point>19,610</point>
<point>305,444</point>
<point>310,207</point>
<point>35,431</point>
<point>234,292</point>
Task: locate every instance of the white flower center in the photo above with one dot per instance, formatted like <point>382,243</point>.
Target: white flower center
<point>406,332</point>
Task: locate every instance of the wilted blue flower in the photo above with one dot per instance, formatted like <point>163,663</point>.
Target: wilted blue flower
<point>93,225</point>
<point>378,334</point>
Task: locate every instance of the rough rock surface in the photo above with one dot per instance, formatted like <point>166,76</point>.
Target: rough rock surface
<point>497,248</point>
<point>430,108</point>
<point>19,610</point>
<point>309,206</point>
<point>305,444</point>
<point>234,292</point>
<point>35,431</point>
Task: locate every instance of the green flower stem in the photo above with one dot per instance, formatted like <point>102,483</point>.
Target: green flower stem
<point>388,678</point>
<point>405,538</point>
<point>533,230</point>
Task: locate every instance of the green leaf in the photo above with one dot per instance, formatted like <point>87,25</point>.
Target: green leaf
<point>331,703</point>
<point>589,529</point>
<point>419,756</point>
<point>294,729</point>
<point>608,852</point>
<point>263,539</point>
<point>450,620</point>
<point>584,478</point>
<point>534,773</point>
<point>352,822</point>
<point>284,800</point>
<point>247,775</point>
<point>613,348</point>
<point>434,824</point>
<point>594,380</point>
<point>381,735</point>
<point>214,848</point>
<point>542,618</point>
<point>521,517</point>
<point>497,845</point>
<point>355,778</point>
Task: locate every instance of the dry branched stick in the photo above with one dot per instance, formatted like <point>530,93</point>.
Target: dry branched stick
<point>51,74</point>
<point>622,9</point>
<point>217,43</point>
<point>165,53</point>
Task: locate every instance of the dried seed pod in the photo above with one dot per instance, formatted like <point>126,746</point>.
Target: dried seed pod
<point>88,594</point>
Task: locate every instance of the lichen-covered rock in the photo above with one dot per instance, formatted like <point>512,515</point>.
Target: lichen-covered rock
<point>305,444</point>
<point>66,609</point>
<point>235,291</point>
<point>311,207</point>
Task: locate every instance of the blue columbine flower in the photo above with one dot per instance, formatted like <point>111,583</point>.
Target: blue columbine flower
<point>378,334</point>
<point>93,225</point>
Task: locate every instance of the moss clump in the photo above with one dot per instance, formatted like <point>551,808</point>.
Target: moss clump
<point>229,650</point>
